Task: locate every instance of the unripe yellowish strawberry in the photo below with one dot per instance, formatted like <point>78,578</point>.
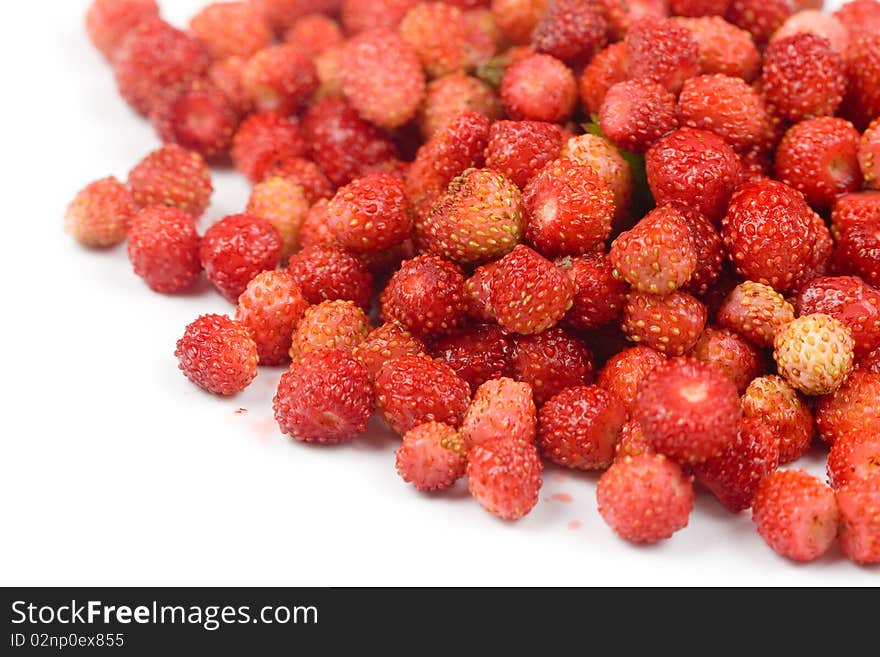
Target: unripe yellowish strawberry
<point>283,204</point>
<point>814,353</point>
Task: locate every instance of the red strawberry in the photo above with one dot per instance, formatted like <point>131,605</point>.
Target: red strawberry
<point>870,362</point>
<point>688,410</point>
<point>280,79</point>
<point>100,213</point>
<point>605,70</point>
<point>761,18</point>
<point>237,248</point>
<point>529,294</point>
<point>579,428</point>
<point>734,475</point>
<point>315,33</point>
<point>437,33</point>
<point>869,155</point>
<point>658,255</point>
<point>571,30</point>
<point>362,15</point>
<point>342,144</point>
<point>645,498</point>
<point>854,455</point>
<point>632,442</point>
<point>860,17</point>
<point>662,51</point>
<point>849,300</point>
<point>568,209</point>
<point>551,362</point>
<point>518,18</point>
<point>231,29</point>
<point>710,251</point>
<point>218,355</point>
<point>723,47</point>
<point>477,353</point>
<point>599,297</point>
<point>281,14</point>
<point>426,296</point>
<point>859,505</point>
<point>670,324</point>
<point>304,173</point>
<point>862,103</point>
<point>480,217</point>
<point>382,78</point>
<point>698,7</point>
<point>200,118</point>
<point>154,58</point>
<point>777,404</point>
<point>818,23</point>
<point>370,214</point>
<point>282,203</point>
<point>539,88</point>
<point>270,308</point>
<point>709,166</point>
<point>405,400</point>
<point>478,292</point>
<point>263,140</point>
<point>796,514</point>
<point>174,177</point>
<point>636,113</point>
<point>756,312</point>
<point>386,343</point>
<point>454,94</point>
<point>325,399</point>
<point>624,372</point>
<point>501,409</point>
<point>225,75</point>
<point>329,273</point>
<point>109,21</point>
<point>814,353</point>
<point>454,149</point>
<point>430,457</point>
<point>731,354</point>
<point>520,149</point>
<point>600,155</point>
<point>859,247</point>
<point>339,325</point>
<point>853,407</point>
<point>505,476</point>
<point>163,247</point>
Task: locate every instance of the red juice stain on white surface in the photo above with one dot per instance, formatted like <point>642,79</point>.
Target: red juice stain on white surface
<point>565,498</point>
<point>574,525</point>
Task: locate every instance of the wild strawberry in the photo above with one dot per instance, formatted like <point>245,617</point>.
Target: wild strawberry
<point>571,30</point>
<point>859,505</point>
<point>727,106</point>
<point>325,399</point>
<point>329,325</point>
<point>280,79</point>
<point>803,77</point>
<point>855,406</point>
<point>770,234</point>
<point>199,118</point>
<point>598,297</point>
<point>658,255</point>
<point>814,353</point>
<point>237,248</point>
<point>539,88</point>
<point>281,14</point>
<point>518,18</point>
<point>174,177</point>
<point>477,353</point>
<point>662,51</point>
<point>734,475</point>
<point>426,296</point>
<point>231,29</point>
<point>634,114</point>
<point>429,457</point>
<point>270,308</point>
<point>818,23</point>
<point>862,103</point>
<point>796,514</point>
<point>723,47</point>
<point>305,174</point>
<point>483,37</point>
<point>478,294</point>
<point>709,166</point>
<point>605,70</point>
<point>363,15</point>
<point>645,498</point>
<point>386,343</point>
<point>163,247</point>
<point>100,213</point>
<point>437,33</point>
<point>671,324</point>
<point>263,140</point>
<point>859,247</point>
<point>860,17</point>
<point>326,273</point>
<point>777,404</point>
<point>550,362</point>
<point>370,214</point>
<point>579,427</point>
<point>869,155</point>
<point>282,203</point>
<point>520,149</point>
<point>225,76</point>
<point>405,401</point>
<point>451,95</point>
<point>480,217</point>
<point>154,58</point>
<point>760,19</point>
<point>624,372</point>
<point>697,8</point>
<point>109,21</point>
<point>600,155</point>
<point>731,354</point>
<point>529,293</point>
<point>710,251</point>
<point>454,149</point>
<point>688,410</point>
<point>315,33</point>
<point>849,300</point>
<point>505,476</point>
<point>870,362</point>
<point>854,455</point>
<point>632,442</point>
<point>382,78</point>
<point>501,409</point>
<point>861,208</point>
<point>342,144</point>
<point>218,355</point>
<point>756,312</point>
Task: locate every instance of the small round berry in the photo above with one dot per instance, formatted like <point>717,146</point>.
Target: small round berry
<point>477,353</point>
<point>777,404</point>
<point>723,48</point>
<point>440,51</point>
<point>814,353</point>
<point>315,33</point>
<point>270,308</point>
<point>605,70</point>
<point>263,140</point>
<point>671,324</point>
<point>571,30</point>
<point>848,299</point>
<point>163,247</point>
<point>623,373</point>
<point>662,51</point>
<point>731,354</point>
<point>199,118</point>
<point>172,176</point>
<point>636,113</point>
<point>370,214</point>
<point>550,362</point>
<point>505,477</point>
<point>600,155</point>
<point>855,406</point>
<point>109,21</point>
<point>430,457</point>
<point>539,88</point>
<point>454,94</point>
<point>218,354</point>
<point>283,204</point>
<point>501,408</point>
<point>386,343</point>
<point>279,79</point>
<point>520,149</point>
<point>327,273</point>
<point>100,213</point>
<point>818,23</point>
<point>337,325</point>
<point>231,29</point>
<point>599,297</point>
<point>854,455</point>
<point>859,505</point>
<point>755,311</point>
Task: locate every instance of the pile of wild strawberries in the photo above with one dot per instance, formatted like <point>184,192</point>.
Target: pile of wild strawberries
<point>634,236</point>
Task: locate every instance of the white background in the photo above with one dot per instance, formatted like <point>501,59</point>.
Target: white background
<point>117,471</point>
